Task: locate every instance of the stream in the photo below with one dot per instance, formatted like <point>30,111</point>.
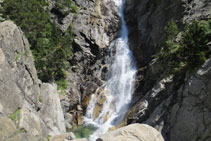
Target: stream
<point>117,90</point>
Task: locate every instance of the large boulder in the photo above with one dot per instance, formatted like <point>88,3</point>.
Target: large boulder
<point>133,132</point>
<point>51,111</point>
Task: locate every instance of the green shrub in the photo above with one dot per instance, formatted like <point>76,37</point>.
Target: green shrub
<point>83,131</point>
<point>19,131</point>
<point>16,115</point>
<point>171,30</point>
<point>169,46</point>
<point>40,99</point>
<point>192,50</point>
<point>195,38</point>
<point>66,6</point>
<point>48,137</point>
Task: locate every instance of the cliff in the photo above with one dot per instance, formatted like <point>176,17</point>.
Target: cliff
<point>176,104</point>
<point>94,26</point>
<point>173,103</point>
<point>31,109</point>
<point>146,20</point>
<point>24,100</point>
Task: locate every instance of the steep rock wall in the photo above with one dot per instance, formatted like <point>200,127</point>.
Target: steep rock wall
<point>94,26</point>
<point>21,97</point>
<point>146,20</point>
<point>173,104</point>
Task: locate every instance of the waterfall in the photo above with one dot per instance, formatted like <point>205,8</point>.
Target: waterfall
<point>119,86</point>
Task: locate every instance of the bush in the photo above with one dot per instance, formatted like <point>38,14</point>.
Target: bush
<point>66,6</point>
<point>195,38</point>
<point>169,46</point>
<point>191,51</point>
<point>50,46</point>
<point>16,115</point>
<point>83,131</point>
<point>62,84</point>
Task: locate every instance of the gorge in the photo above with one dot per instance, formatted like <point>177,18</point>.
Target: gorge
<point>119,85</point>
<point>67,70</point>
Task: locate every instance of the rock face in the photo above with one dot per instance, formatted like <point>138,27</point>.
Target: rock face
<point>31,122</point>
<point>51,111</point>
<point>133,132</point>
<point>18,77</point>
<point>35,106</point>
<point>146,20</point>
<point>94,25</point>
<point>176,105</point>
<point>24,113</point>
<point>8,130</point>
<point>190,118</point>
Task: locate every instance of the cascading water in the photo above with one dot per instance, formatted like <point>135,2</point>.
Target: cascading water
<point>119,86</point>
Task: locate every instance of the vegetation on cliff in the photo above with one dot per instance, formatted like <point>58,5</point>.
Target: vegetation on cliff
<point>50,46</point>
<point>188,48</point>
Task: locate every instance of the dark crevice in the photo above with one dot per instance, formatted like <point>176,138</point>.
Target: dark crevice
<point>59,15</point>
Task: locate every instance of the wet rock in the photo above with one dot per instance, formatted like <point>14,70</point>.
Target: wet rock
<point>90,88</point>
<point>85,102</point>
<point>79,108</point>
<point>79,118</point>
<point>133,132</point>
<point>99,105</point>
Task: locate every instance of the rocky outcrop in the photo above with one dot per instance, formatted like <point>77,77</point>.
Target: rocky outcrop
<point>29,109</point>
<point>133,132</point>
<point>146,20</point>
<point>18,75</point>
<point>36,106</point>
<point>51,111</point>
<point>175,104</point>
<point>8,130</point>
<point>178,107</point>
<point>94,25</point>
<point>30,122</point>
<point>190,117</point>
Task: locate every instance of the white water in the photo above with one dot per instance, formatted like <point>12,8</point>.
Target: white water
<point>119,86</point>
